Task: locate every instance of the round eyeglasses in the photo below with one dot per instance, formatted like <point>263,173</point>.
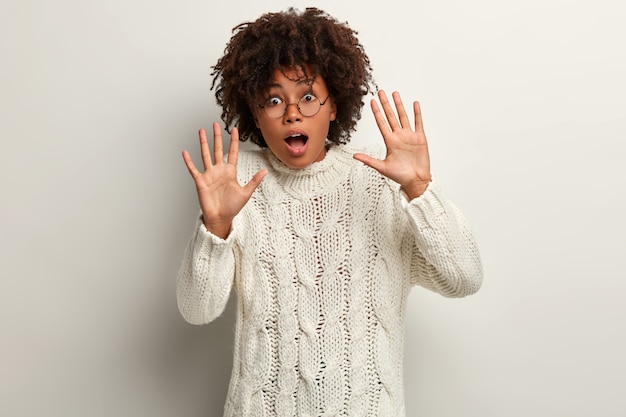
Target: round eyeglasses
<point>308,106</point>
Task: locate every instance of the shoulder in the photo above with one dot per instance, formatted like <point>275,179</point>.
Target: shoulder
<point>366,176</point>
<point>251,161</point>
<point>372,150</point>
<point>251,156</point>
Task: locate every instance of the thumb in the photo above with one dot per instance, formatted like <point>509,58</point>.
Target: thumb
<point>377,164</point>
<point>255,181</point>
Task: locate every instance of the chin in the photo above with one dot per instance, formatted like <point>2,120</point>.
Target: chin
<point>302,161</point>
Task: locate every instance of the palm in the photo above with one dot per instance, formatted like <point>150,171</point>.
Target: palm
<point>220,195</point>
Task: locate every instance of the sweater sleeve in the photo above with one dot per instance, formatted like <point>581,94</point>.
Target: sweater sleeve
<point>446,258</point>
<point>205,278</point>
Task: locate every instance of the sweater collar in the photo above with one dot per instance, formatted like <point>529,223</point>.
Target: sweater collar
<point>319,176</point>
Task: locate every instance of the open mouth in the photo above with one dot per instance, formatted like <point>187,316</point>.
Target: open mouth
<point>296,141</point>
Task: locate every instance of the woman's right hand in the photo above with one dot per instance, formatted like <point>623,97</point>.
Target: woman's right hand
<point>220,195</point>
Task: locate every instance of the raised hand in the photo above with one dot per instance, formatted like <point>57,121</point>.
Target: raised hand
<point>220,195</point>
<point>407,161</point>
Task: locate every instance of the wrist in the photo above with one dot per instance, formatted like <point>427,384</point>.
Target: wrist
<point>220,229</point>
<point>416,188</point>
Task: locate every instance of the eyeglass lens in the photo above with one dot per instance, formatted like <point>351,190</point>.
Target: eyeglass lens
<point>308,106</point>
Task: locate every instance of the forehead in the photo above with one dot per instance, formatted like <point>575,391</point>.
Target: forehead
<point>296,78</point>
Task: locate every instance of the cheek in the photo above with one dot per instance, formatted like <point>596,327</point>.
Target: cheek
<point>262,124</point>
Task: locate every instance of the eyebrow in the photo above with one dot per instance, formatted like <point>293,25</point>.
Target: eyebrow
<point>306,82</point>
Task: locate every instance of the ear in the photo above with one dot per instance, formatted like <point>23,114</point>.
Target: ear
<point>254,112</point>
<point>333,110</point>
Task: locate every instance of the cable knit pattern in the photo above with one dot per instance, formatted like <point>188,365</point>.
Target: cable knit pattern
<point>322,260</point>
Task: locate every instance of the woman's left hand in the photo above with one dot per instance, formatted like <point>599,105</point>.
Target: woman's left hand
<point>407,161</point>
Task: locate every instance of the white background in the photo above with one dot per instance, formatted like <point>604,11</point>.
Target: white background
<point>524,105</point>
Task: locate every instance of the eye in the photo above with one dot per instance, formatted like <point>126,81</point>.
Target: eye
<point>273,102</point>
<point>307,98</point>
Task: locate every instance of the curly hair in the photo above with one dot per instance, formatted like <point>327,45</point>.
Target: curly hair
<point>292,40</point>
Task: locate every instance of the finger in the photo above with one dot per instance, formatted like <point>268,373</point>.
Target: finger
<point>380,119</point>
<point>218,146</point>
<point>377,164</point>
<point>204,150</point>
<point>389,113</point>
<point>233,150</point>
<point>255,182</point>
<point>190,166</point>
<point>404,119</point>
<point>419,126</point>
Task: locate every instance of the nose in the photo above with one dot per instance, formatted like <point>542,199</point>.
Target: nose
<point>292,113</point>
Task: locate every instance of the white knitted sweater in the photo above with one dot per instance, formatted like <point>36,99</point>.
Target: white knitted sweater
<point>322,260</point>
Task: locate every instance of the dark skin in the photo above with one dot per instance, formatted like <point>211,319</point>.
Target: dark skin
<point>220,195</point>
<point>407,162</point>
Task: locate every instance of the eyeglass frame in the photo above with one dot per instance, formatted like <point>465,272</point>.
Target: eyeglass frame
<point>297,103</point>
